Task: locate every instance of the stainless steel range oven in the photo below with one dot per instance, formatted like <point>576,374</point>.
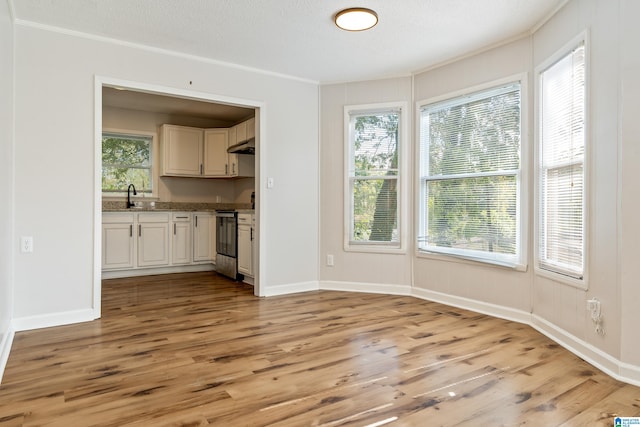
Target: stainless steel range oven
<point>227,243</point>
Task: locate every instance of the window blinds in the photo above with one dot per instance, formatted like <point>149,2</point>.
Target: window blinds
<point>470,169</point>
<point>562,175</point>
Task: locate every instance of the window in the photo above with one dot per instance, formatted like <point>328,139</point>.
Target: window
<point>470,176</point>
<point>373,176</point>
<point>126,159</point>
<point>561,174</point>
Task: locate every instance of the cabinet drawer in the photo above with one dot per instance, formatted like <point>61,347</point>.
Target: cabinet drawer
<point>244,218</point>
<point>117,218</point>
<point>181,217</point>
<point>153,217</point>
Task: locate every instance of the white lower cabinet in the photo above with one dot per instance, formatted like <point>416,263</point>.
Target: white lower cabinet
<point>245,244</point>
<point>153,239</point>
<point>181,239</point>
<point>139,240</point>
<point>204,238</point>
<point>118,250</point>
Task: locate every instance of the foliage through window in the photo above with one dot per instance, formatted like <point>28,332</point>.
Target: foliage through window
<point>373,176</point>
<point>561,169</point>
<point>470,175</point>
<point>126,159</point>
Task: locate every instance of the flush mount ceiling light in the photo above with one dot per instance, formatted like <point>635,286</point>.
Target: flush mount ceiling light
<point>356,19</point>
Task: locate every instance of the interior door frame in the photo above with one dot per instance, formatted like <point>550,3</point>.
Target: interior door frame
<point>105,81</point>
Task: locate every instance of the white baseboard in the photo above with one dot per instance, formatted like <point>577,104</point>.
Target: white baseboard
<point>617,369</point>
<point>290,288</point>
<point>53,319</point>
<point>119,274</point>
<point>5,349</point>
<point>373,288</point>
<point>494,310</point>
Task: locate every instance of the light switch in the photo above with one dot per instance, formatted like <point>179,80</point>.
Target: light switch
<point>270,182</point>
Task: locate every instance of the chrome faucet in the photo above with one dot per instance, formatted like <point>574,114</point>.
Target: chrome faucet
<point>129,203</point>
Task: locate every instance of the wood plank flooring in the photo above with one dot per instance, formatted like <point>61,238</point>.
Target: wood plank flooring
<point>197,349</point>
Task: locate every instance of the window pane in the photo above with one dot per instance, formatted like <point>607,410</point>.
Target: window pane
<point>470,169</point>
<point>564,217</point>
<point>561,174</point>
<point>375,206</point>
<point>125,151</point>
<point>473,213</point>
<point>373,177</point>
<point>116,179</point>
<point>126,159</point>
<point>480,136</point>
<point>376,145</point>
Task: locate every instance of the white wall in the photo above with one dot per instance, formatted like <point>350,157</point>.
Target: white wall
<point>7,243</point>
<point>488,284</point>
<point>54,120</point>
<point>629,231</point>
<point>175,189</point>
<point>561,305</point>
<point>392,272</point>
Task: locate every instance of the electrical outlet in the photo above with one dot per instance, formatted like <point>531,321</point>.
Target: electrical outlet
<point>330,260</point>
<point>26,244</point>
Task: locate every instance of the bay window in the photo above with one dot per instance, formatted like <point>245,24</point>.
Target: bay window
<point>470,176</point>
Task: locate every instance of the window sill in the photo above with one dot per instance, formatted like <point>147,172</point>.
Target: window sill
<point>562,279</point>
<point>391,250</point>
<point>461,259</point>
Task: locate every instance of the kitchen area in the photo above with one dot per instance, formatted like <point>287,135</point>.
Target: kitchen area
<point>178,186</point>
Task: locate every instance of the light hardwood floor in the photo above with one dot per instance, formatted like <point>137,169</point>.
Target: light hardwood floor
<point>197,349</point>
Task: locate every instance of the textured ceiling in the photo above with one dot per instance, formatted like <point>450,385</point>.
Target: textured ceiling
<point>297,37</point>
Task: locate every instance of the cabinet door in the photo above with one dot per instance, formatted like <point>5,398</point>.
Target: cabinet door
<point>244,250</point>
<point>181,240</point>
<point>153,244</point>
<point>203,239</point>
<point>251,128</point>
<point>117,246</point>
<point>181,150</point>
<point>215,152</point>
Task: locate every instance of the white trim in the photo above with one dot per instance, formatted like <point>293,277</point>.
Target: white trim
<point>5,349</point>
<point>489,309</point>
<point>373,288</point>
<point>613,367</point>
<point>259,106</point>
<point>522,200</point>
<point>155,161</point>
<point>118,274</point>
<point>617,369</point>
<point>403,177</point>
<point>290,288</point>
<point>83,35</point>
<point>582,283</point>
<point>54,319</point>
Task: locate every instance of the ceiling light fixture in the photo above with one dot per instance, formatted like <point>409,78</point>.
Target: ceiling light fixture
<point>356,19</point>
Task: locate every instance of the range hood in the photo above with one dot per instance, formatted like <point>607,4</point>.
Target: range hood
<point>246,147</point>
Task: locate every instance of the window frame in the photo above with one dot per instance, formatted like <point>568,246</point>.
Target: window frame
<point>557,275</point>
<point>402,178</point>
<point>520,261</point>
<point>154,147</point>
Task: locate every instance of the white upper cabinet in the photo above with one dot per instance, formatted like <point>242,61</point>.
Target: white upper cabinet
<point>202,153</point>
<point>216,159</point>
<point>181,150</point>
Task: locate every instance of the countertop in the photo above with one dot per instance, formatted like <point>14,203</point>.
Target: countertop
<point>176,207</point>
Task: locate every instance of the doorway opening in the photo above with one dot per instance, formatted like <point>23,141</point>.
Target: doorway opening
<point>132,106</point>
